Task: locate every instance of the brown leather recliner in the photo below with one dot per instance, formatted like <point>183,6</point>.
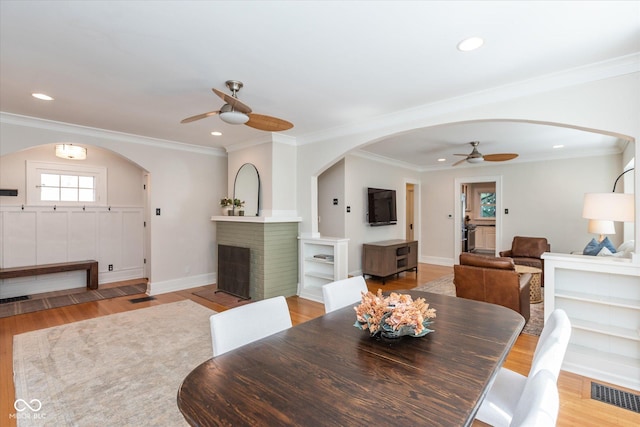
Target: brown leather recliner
<point>493,280</point>
<point>527,251</point>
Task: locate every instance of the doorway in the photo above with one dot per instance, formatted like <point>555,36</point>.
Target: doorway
<point>479,207</point>
<point>410,208</point>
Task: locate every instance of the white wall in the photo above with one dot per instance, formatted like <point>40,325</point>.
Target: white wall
<point>275,159</point>
<point>185,183</point>
<point>361,173</point>
<point>544,199</point>
<point>331,185</point>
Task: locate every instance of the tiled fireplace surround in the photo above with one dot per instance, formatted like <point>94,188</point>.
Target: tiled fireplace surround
<point>273,248</point>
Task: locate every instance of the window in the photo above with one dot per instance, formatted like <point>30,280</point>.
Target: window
<point>487,205</point>
<point>67,188</point>
<point>61,184</point>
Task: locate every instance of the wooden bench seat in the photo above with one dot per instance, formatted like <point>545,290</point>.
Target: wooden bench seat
<point>34,270</point>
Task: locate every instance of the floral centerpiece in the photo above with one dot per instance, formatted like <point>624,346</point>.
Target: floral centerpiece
<point>226,202</point>
<point>394,316</point>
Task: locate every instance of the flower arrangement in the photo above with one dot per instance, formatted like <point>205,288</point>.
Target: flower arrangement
<point>238,203</point>
<point>394,316</point>
<point>226,202</point>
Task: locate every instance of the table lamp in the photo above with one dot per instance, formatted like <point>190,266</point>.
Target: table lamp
<point>601,227</point>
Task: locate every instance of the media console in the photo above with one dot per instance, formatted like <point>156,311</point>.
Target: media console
<point>389,257</point>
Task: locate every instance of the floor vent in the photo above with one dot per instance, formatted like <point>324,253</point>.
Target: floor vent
<point>14,299</point>
<point>143,299</point>
<point>619,398</point>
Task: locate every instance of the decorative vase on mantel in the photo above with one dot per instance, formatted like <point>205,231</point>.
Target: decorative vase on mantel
<point>226,204</point>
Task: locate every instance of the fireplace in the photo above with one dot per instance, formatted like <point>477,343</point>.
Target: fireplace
<point>234,266</point>
<point>273,252</point>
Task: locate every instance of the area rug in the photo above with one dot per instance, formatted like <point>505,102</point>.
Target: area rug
<point>444,285</point>
<point>37,304</point>
<point>116,370</point>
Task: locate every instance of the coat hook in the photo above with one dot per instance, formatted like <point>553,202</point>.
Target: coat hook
<point>84,208</point>
<point>54,207</point>
<point>22,207</point>
<point>109,208</point>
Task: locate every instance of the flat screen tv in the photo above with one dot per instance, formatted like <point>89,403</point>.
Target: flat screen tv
<point>382,206</point>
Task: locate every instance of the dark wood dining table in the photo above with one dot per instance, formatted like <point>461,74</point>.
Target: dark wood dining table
<point>326,372</point>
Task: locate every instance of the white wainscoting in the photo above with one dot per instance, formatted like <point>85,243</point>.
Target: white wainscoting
<point>33,235</point>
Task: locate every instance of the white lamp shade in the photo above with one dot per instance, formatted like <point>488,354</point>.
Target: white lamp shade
<point>608,206</point>
<point>475,160</point>
<point>598,226</point>
<point>70,151</point>
<point>234,117</point>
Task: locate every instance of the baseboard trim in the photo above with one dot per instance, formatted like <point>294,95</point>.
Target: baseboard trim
<point>447,262</point>
<point>156,288</point>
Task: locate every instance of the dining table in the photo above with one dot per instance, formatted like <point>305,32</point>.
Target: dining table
<point>326,372</point>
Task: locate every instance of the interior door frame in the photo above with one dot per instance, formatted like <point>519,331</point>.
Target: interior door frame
<point>457,216</point>
<point>416,208</point>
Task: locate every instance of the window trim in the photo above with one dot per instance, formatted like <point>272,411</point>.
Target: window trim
<point>35,168</point>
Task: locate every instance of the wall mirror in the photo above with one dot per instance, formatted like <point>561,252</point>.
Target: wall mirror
<point>246,187</point>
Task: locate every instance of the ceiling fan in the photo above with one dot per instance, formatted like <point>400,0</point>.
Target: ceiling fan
<point>477,157</point>
<point>236,112</point>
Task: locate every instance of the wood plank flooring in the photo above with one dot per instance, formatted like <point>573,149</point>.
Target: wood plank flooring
<point>577,408</point>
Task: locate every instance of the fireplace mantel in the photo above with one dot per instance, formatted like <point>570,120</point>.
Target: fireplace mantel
<point>258,219</point>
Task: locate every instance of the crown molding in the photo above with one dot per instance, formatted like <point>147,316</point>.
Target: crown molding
<point>51,125</point>
<point>572,77</point>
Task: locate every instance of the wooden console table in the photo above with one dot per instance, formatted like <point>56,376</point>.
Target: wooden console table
<point>34,270</point>
<point>383,259</point>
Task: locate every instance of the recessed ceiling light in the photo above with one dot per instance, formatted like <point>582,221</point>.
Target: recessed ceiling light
<point>216,133</point>
<point>42,96</point>
<point>558,146</point>
<point>472,43</point>
<point>442,160</point>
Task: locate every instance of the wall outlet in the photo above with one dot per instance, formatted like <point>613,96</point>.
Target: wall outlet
<point>158,211</point>
<point>110,267</point>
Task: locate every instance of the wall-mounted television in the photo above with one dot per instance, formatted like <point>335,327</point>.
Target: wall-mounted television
<point>382,206</point>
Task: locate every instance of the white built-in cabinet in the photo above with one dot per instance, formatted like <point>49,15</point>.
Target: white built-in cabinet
<point>601,296</point>
<point>322,260</point>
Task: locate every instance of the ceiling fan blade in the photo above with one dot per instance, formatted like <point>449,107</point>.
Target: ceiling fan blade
<point>461,155</point>
<point>199,116</point>
<point>234,102</point>
<point>459,161</point>
<point>499,157</point>
<point>268,123</point>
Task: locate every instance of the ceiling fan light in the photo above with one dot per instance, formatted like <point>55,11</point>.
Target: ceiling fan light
<point>234,117</point>
<point>475,160</point>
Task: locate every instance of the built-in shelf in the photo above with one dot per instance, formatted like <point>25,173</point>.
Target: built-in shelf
<point>599,299</point>
<point>601,296</point>
<point>316,270</point>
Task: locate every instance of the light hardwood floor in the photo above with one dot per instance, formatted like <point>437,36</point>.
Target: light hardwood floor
<point>577,408</point>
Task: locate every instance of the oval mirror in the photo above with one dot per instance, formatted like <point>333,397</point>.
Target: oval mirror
<point>246,187</point>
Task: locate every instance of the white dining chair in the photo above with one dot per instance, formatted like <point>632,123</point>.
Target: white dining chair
<point>341,293</point>
<point>241,325</point>
<point>539,404</point>
<point>499,404</point>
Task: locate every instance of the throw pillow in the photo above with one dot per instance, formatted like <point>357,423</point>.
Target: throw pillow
<point>593,248</point>
<point>605,252</point>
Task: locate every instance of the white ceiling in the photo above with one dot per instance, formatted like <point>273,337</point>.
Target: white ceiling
<point>139,67</point>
